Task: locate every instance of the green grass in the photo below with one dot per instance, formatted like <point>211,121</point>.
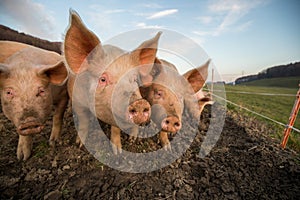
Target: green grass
<point>41,149</point>
<point>276,107</point>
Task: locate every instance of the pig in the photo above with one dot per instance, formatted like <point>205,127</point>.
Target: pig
<point>102,70</point>
<point>169,94</point>
<point>10,48</point>
<point>32,81</point>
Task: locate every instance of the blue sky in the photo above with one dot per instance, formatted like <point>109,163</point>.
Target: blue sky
<point>241,37</point>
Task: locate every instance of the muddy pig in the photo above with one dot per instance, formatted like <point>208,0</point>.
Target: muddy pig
<point>32,80</point>
<point>100,71</point>
<point>170,93</point>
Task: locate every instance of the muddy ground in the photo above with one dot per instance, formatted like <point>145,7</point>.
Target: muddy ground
<point>244,164</point>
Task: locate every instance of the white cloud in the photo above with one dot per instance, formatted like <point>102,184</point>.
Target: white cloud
<point>203,33</point>
<point>144,25</point>
<point>228,14</point>
<point>244,26</point>
<point>31,17</point>
<point>162,13</point>
<point>233,11</point>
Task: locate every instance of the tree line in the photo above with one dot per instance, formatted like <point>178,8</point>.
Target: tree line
<point>292,69</point>
<point>7,33</point>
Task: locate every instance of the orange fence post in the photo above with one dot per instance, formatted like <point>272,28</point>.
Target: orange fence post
<point>292,120</point>
<point>212,83</point>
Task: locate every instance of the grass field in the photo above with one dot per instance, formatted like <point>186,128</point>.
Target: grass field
<point>276,107</point>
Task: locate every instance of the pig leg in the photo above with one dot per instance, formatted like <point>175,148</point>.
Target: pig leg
<point>58,121</point>
<point>163,137</point>
<point>83,115</point>
<point>24,147</point>
<point>116,140</point>
<point>133,133</point>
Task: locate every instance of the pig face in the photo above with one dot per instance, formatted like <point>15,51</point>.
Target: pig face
<point>25,84</point>
<point>170,93</point>
<point>114,75</point>
<point>167,107</point>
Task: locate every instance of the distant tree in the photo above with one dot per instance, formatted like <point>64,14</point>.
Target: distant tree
<point>12,35</point>
<point>292,69</point>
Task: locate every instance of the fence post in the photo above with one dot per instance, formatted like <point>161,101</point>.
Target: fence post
<point>292,120</point>
<point>212,84</point>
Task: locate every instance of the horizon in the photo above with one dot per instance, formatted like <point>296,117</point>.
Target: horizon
<point>241,37</point>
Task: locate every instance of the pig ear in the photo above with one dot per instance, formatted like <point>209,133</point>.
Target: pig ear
<point>3,70</point>
<point>144,55</point>
<point>146,52</point>
<point>79,42</point>
<point>197,77</point>
<point>57,73</point>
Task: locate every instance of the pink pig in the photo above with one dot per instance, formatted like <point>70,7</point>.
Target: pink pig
<point>32,81</point>
<point>100,69</point>
<point>170,93</point>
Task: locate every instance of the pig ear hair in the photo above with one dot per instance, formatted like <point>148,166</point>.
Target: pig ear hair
<point>144,56</point>
<point>57,73</point>
<point>146,52</point>
<point>79,42</point>
<point>197,77</point>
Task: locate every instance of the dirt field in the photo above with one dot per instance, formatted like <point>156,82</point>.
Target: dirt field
<point>244,164</point>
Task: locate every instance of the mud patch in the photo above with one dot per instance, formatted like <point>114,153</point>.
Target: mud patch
<point>244,164</point>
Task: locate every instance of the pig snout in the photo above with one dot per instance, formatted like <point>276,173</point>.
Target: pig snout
<point>30,126</point>
<point>140,112</point>
<point>171,124</point>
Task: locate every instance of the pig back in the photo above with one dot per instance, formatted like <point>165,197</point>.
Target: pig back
<point>8,48</point>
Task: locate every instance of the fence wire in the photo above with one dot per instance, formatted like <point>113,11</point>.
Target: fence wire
<point>256,113</point>
<point>255,93</point>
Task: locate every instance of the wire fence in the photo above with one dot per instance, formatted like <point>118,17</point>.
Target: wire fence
<point>256,113</point>
<point>257,93</point>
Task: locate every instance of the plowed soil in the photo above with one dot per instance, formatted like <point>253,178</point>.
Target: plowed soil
<point>244,164</point>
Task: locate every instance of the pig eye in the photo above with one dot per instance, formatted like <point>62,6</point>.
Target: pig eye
<point>102,79</point>
<point>158,94</point>
<point>41,92</point>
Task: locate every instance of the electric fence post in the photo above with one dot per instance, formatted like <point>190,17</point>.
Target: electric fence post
<point>292,120</point>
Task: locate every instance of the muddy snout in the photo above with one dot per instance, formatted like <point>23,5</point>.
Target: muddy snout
<point>30,126</point>
<point>171,124</point>
<point>140,112</point>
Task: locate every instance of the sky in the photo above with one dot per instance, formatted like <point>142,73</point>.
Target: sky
<point>241,37</point>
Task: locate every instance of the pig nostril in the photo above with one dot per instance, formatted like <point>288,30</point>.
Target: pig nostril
<point>167,122</point>
<point>146,110</point>
<point>177,124</point>
<point>132,111</point>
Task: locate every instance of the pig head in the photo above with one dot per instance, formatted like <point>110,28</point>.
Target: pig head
<point>170,93</point>
<point>31,81</point>
<point>109,80</point>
